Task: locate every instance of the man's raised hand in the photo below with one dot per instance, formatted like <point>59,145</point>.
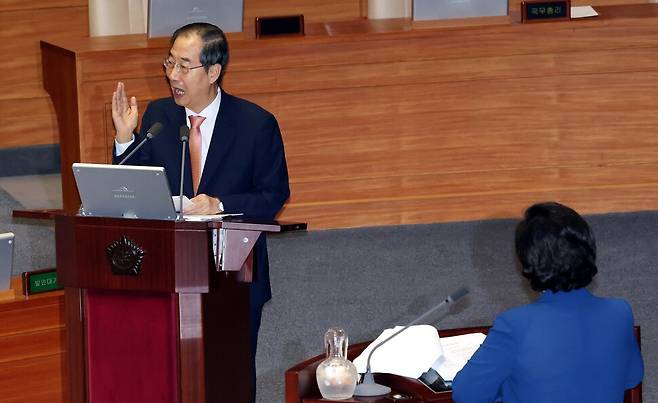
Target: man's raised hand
<point>124,114</point>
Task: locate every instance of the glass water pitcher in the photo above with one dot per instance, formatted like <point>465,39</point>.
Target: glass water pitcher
<point>336,375</point>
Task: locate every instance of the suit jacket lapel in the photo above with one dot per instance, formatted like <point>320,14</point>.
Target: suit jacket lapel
<point>223,135</point>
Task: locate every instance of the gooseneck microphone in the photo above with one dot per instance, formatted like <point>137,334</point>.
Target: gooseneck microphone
<point>184,132</point>
<point>150,133</point>
<point>368,387</point>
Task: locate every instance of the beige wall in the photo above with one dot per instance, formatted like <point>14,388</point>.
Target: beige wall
<point>117,17</point>
<point>380,9</point>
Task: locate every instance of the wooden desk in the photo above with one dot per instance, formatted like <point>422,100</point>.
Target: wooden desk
<point>301,385</point>
<point>395,122</point>
<point>32,353</point>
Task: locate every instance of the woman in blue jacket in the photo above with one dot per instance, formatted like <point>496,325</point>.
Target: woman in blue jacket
<point>569,345</point>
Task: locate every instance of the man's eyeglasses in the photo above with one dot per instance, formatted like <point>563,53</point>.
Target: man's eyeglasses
<point>170,64</point>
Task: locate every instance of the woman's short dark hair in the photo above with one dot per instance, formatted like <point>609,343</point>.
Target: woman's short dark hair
<point>215,45</point>
<point>556,248</point>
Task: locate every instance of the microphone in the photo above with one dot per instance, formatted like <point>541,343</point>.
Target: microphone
<point>150,133</point>
<point>368,387</point>
<point>184,132</point>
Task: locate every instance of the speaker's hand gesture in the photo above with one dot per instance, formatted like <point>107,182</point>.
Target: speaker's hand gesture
<point>124,114</point>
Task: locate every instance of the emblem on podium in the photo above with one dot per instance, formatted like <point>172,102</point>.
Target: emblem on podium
<point>125,257</point>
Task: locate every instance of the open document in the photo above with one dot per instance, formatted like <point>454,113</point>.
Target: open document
<point>418,349</point>
<point>198,217</point>
<point>457,350</point>
<point>186,202</point>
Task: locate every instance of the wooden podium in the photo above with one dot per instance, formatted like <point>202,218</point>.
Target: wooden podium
<point>148,316</point>
<point>301,386</point>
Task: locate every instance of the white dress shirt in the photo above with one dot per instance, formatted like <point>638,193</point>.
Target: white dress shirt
<point>210,113</point>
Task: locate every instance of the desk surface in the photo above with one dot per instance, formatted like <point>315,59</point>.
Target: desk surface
<point>301,385</point>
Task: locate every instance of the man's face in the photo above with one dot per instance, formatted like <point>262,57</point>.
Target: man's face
<point>195,89</point>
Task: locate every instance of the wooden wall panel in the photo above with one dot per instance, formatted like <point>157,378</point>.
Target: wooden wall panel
<point>40,127</point>
<point>456,118</point>
<point>26,113</point>
<point>24,23</point>
<point>31,348</point>
<point>33,380</point>
<point>13,5</point>
<point>379,127</point>
<point>449,206</point>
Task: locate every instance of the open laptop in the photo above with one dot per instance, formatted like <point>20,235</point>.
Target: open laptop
<point>6,259</point>
<point>124,191</point>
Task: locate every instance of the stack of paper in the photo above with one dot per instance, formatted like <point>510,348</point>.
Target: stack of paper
<point>417,349</point>
<point>410,353</point>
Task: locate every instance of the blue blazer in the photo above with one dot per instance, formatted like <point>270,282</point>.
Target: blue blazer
<point>245,167</point>
<point>567,347</point>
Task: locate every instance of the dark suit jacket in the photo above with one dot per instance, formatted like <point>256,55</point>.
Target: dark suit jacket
<point>567,347</point>
<point>245,167</point>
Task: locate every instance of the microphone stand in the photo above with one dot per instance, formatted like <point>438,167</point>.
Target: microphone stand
<point>151,133</point>
<point>368,387</point>
<point>184,137</point>
<point>141,143</point>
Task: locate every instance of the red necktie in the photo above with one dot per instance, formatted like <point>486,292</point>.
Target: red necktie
<point>195,149</point>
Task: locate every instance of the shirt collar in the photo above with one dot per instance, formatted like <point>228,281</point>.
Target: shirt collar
<point>211,110</point>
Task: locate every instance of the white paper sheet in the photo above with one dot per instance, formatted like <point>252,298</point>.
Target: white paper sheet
<point>186,202</point>
<point>583,12</point>
<point>457,350</point>
<point>199,217</point>
<point>410,353</point>
<point>209,217</point>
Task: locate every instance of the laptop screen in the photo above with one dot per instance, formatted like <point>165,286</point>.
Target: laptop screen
<point>124,191</point>
<point>6,259</point>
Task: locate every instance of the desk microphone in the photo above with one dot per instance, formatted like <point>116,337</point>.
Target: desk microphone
<point>150,133</point>
<point>368,387</point>
<point>184,132</point>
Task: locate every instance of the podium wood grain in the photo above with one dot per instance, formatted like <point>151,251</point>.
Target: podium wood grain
<point>179,323</point>
<point>32,353</point>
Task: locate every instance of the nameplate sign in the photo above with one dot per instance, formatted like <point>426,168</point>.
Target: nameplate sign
<point>36,282</point>
<point>281,25</point>
<point>539,10</point>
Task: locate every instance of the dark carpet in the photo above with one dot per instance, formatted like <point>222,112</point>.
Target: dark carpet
<point>366,279</point>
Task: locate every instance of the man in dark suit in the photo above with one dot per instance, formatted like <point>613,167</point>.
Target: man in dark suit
<point>236,162</point>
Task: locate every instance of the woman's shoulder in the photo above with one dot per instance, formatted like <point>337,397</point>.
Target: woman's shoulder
<point>617,306</point>
<point>543,307</point>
